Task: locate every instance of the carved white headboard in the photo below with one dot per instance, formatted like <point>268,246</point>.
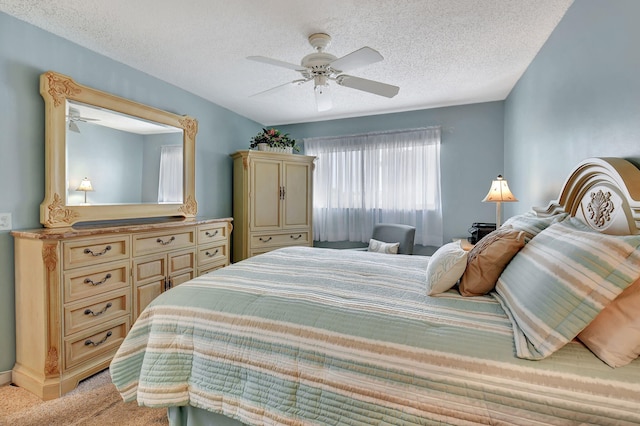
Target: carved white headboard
<point>604,193</point>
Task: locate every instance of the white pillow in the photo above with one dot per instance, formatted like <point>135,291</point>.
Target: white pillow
<point>382,247</point>
<point>445,268</point>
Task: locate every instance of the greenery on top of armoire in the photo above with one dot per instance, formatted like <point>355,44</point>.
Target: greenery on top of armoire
<point>274,138</point>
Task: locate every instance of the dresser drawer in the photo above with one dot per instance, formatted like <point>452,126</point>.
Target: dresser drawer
<point>214,253</point>
<point>163,241</point>
<point>214,232</point>
<point>96,310</point>
<point>210,267</point>
<point>95,280</point>
<point>286,239</point>
<point>79,253</point>
<point>95,342</point>
<point>262,250</point>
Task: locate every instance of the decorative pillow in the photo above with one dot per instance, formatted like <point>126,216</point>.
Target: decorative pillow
<point>560,281</point>
<point>531,224</point>
<point>445,268</point>
<point>488,258</point>
<point>614,336</point>
<point>382,247</point>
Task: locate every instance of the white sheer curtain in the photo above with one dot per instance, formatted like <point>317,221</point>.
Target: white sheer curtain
<point>170,181</point>
<point>362,180</point>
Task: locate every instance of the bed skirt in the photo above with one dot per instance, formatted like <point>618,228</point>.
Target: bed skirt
<point>192,416</point>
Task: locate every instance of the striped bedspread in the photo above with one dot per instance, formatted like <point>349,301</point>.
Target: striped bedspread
<point>319,336</point>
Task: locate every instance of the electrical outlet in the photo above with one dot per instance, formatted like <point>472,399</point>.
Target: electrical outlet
<point>5,221</point>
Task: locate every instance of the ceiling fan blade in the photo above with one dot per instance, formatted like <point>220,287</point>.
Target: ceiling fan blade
<point>323,97</point>
<point>74,127</point>
<point>74,115</point>
<point>375,87</point>
<point>280,87</point>
<point>359,58</point>
<point>277,63</point>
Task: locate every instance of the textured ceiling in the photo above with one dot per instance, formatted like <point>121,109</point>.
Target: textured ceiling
<point>439,52</point>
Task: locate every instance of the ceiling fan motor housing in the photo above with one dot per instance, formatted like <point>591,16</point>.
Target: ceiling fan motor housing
<point>318,63</point>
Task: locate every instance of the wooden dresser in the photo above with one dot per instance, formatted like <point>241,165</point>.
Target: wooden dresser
<point>79,290</point>
<point>272,202</point>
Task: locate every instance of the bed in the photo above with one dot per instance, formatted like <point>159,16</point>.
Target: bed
<point>305,335</point>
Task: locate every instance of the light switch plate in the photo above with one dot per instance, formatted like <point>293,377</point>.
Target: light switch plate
<point>5,221</point>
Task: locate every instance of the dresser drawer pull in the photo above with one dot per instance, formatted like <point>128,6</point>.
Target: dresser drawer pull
<point>212,235</point>
<point>90,281</point>
<point>265,241</point>
<point>95,314</point>
<point>164,243</point>
<point>92,253</point>
<point>296,238</point>
<point>90,342</point>
<point>212,254</point>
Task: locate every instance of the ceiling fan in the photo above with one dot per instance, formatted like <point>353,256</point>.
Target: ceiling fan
<point>322,67</point>
<point>74,116</point>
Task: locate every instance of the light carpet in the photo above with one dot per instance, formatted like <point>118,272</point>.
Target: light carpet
<point>94,402</point>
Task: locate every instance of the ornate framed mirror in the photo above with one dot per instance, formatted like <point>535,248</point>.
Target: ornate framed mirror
<point>109,158</point>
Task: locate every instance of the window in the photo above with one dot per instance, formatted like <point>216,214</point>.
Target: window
<point>363,180</point>
<point>170,181</point>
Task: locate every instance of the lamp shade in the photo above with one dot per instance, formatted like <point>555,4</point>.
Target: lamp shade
<point>499,192</point>
<point>85,185</point>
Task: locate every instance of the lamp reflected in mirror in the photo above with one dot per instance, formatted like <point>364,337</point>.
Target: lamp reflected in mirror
<point>85,186</point>
<point>499,193</point>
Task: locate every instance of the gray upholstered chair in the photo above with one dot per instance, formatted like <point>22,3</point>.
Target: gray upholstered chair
<point>396,233</point>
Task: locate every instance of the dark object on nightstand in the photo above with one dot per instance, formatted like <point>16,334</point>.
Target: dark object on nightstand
<point>478,230</point>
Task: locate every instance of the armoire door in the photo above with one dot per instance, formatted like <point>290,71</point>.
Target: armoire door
<point>297,195</point>
<point>265,189</point>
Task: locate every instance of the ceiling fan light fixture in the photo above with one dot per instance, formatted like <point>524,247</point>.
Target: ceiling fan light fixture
<point>323,97</point>
<point>320,80</point>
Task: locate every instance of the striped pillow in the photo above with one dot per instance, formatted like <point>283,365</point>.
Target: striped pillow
<point>559,282</point>
<point>531,224</point>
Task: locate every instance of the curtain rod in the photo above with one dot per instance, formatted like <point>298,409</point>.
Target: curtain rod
<point>383,132</point>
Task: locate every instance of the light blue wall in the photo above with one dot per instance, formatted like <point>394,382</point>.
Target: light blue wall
<point>25,53</point>
<point>470,155</point>
<point>579,98</point>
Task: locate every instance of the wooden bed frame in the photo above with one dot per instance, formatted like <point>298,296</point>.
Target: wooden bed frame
<point>604,193</point>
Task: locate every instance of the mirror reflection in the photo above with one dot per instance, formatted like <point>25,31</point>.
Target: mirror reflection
<point>114,158</point>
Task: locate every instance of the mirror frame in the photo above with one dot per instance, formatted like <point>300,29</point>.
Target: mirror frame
<point>56,88</point>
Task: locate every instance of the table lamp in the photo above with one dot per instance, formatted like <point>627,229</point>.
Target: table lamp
<point>85,186</point>
<point>499,193</point>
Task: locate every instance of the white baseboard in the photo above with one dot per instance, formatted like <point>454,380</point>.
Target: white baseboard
<point>5,377</point>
